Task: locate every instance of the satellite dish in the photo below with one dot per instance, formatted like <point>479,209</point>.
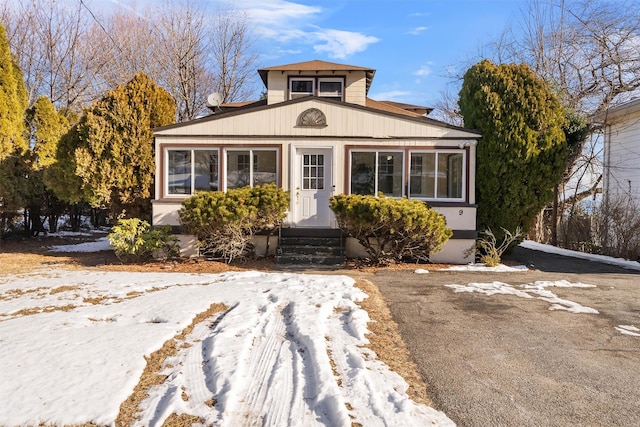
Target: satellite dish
<point>214,100</point>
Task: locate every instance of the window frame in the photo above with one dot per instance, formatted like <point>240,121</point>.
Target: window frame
<point>302,94</point>
<point>376,174</point>
<point>315,179</point>
<point>316,80</point>
<point>331,80</point>
<point>437,152</point>
<point>192,169</point>
<point>253,164</point>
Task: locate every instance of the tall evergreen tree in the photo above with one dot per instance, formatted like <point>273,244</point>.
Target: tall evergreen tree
<point>110,150</point>
<point>45,126</point>
<point>13,103</point>
<point>523,152</point>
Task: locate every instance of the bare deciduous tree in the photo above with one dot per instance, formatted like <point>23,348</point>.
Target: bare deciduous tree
<point>185,66</point>
<point>73,54</point>
<point>590,49</point>
<point>49,39</point>
<point>126,45</point>
<point>233,56</point>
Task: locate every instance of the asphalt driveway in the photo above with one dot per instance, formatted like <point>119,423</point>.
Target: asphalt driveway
<point>504,360</point>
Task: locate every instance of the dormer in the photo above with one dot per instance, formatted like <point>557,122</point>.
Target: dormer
<point>342,82</point>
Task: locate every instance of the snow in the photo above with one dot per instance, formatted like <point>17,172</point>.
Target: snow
<point>500,268</point>
<point>537,290</point>
<point>628,330</point>
<point>288,350</point>
<point>620,262</point>
<point>100,244</point>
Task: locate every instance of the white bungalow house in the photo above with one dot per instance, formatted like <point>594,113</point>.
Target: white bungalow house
<point>621,162</point>
<point>318,134</point>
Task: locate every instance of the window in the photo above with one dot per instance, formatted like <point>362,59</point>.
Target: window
<point>326,87</point>
<point>433,174</point>
<point>330,88</point>
<point>192,170</point>
<point>301,87</point>
<point>436,175</point>
<point>313,172</point>
<point>251,167</point>
<point>377,171</point>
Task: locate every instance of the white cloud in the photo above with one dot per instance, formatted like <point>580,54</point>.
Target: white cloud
<point>340,44</point>
<point>270,13</point>
<point>418,30</point>
<point>423,71</point>
<point>288,22</point>
<point>392,95</point>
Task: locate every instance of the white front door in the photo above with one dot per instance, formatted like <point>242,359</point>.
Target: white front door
<point>312,187</point>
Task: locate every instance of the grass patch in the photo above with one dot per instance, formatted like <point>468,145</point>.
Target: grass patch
<point>129,409</point>
<point>65,288</point>
<point>385,340</point>
<point>182,420</point>
<point>48,309</point>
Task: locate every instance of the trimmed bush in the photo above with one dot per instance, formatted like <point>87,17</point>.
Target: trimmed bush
<point>225,223</point>
<point>134,241</point>
<point>391,229</point>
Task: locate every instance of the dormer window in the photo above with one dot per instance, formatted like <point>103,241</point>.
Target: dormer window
<point>330,88</point>
<point>326,87</point>
<point>301,87</point>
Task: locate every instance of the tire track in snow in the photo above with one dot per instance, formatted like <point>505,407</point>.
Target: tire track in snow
<point>185,374</point>
<point>315,368</point>
<point>268,389</point>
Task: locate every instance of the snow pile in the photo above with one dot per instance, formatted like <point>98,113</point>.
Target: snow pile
<point>500,268</point>
<point>288,350</point>
<point>536,290</point>
<point>624,263</point>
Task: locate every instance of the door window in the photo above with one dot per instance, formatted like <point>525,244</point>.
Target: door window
<point>313,172</point>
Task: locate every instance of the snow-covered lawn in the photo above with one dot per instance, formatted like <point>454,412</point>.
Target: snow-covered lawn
<point>272,349</point>
<point>286,349</point>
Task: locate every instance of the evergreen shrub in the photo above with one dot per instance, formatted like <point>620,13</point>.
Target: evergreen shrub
<point>391,229</point>
<point>225,223</point>
<point>133,240</point>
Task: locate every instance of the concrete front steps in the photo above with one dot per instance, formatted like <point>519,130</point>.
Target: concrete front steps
<point>311,246</point>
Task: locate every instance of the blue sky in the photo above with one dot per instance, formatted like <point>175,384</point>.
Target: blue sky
<point>413,44</point>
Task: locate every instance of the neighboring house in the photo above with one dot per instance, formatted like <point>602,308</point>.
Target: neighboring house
<point>318,134</point>
<point>621,163</point>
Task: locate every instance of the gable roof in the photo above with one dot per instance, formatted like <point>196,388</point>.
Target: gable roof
<point>388,106</point>
<point>378,107</point>
<point>317,65</point>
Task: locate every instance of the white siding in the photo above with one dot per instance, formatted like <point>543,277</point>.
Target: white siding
<point>354,91</point>
<point>342,121</point>
<point>356,88</point>
<point>622,157</point>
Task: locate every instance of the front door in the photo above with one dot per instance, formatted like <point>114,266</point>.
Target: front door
<point>313,186</point>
